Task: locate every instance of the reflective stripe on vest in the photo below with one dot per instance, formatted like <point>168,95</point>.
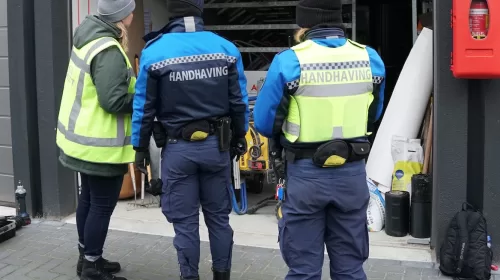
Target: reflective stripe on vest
<point>333,94</point>
<point>85,130</point>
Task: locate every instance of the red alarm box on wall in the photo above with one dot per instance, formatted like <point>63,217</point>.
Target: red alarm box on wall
<point>476,39</point>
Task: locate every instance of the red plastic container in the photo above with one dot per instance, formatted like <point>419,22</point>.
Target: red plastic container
<point>476,39</point>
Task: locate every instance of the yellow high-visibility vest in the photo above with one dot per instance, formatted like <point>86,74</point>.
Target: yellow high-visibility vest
<point>85,131</point>
<point>333,96</point>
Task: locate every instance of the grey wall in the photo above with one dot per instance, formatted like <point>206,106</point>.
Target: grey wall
<point>52,50</point>
<point>467,139</point>
<point>37,73</point>
<point>6,169</point>
<point>451,113</point>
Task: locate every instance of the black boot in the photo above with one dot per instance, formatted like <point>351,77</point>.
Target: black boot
<point>222,275</point>
<point>110,267</point>
<point>95,271</point>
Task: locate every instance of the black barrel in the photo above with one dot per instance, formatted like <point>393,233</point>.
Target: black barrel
<point>397,213</point>
<point>421,206</point>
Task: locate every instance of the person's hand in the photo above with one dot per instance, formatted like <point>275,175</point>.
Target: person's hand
<point>142,161</point>
<point>238,148</point>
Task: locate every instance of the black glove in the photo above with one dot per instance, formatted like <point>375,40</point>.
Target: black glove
<point>155,187</point>
<point>238,147</point>
<point>142,161</point>
<point>275,148</point>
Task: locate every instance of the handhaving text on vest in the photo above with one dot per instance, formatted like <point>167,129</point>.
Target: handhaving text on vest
<point>198,74</point>
<point>335,76</point>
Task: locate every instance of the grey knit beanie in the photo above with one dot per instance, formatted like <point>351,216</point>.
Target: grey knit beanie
<point>115,10</point>
<point>310,13</point>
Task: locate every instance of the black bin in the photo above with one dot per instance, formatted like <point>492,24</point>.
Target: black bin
<point>421,206</point>
<point>397,213</point>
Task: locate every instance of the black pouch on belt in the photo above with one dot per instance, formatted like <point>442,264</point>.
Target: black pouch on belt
<point>196,131</point>
<point>223,132</point>
<point>159,134</point>
<point>359,150</point>
<point>331,154</point>
<point>337,152</point>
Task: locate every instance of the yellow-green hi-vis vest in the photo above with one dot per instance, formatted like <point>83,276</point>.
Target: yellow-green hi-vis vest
<point>84,130</point>
<point>334,93</point>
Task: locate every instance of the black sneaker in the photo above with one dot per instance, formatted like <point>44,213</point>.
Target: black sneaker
<point>95,271</point>
<point>110,267</point>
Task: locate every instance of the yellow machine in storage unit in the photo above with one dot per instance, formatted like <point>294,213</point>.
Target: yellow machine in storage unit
<point>255,169</point>
<point>255,165</point>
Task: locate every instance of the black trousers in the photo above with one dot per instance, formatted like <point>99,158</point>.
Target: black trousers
<point>96,203</point>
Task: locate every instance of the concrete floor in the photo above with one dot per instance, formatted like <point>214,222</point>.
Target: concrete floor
<point>47,250</point>
<point>258,230</point>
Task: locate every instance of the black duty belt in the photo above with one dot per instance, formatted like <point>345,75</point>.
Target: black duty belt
<point>333,153</point>
<point>299,154</point>
<point>213,128</point>
<point>206,128</point>
<point>193,131</point>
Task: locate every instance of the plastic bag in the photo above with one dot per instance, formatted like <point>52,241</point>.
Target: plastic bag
<point>375,214</point>
<point>408,157</point>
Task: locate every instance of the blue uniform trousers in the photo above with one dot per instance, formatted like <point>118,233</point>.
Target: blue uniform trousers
<point>324,206</point>
<point>194,173</point>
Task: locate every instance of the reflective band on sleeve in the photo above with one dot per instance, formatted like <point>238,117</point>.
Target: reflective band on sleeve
<point>84,66</point>
<point>291,128</point>
<point>338,132</point>
<point>189,24</point>
<point>334,90</point>
<point>377,79</point>
<point>293,84</point>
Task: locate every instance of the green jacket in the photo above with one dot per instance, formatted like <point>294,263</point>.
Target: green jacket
<point>109,73</point>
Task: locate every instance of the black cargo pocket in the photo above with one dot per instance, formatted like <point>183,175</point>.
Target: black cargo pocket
<point>166,204</point>
<point>366,245</point>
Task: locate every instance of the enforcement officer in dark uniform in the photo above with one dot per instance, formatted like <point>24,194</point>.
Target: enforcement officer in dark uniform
<point>321,98</point>
<point>193,82</point>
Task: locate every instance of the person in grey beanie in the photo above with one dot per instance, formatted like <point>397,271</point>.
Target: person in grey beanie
<point>116,10</point>
<point>99,72</point>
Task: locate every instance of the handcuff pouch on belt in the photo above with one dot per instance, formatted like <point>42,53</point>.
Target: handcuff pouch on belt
<point>196,131</point>
<point>336,153</point>
<point>159,134</point>
<point>223,131</point>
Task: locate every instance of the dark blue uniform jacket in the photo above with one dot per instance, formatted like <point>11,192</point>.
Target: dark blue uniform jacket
<point>271,108</point>
<point>188,74</point>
